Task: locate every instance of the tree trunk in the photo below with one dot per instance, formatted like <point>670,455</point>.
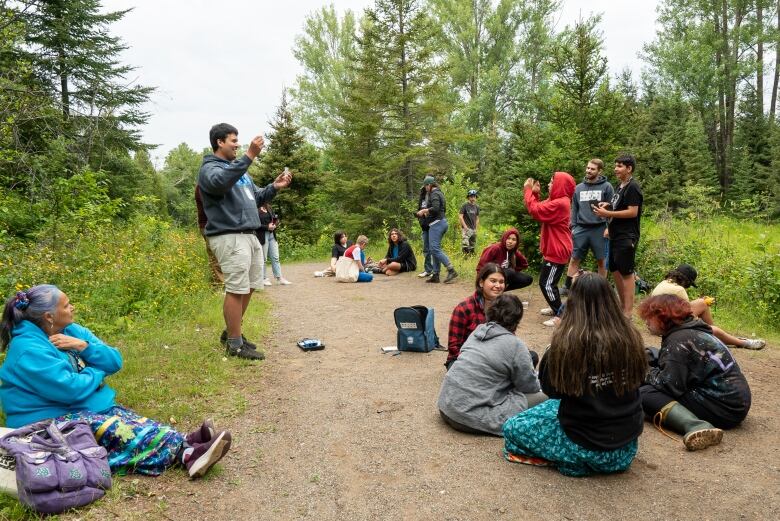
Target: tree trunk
<point>760,56</point>
<point>407,173</point>
<point>773,104</point>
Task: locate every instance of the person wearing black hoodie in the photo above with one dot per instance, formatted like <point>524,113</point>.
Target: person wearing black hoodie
<point>587,229</point>
<point>230,201</point>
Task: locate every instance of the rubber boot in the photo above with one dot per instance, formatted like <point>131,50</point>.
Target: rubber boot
<point>697,434</point>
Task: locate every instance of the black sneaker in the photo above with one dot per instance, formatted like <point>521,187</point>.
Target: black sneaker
<point>451,276</point>
<point>249,345</point>
<point>433,278</point>
<point>246,353</point>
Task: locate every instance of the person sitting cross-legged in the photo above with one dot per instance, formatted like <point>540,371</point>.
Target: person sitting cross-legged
<point>494,376</point>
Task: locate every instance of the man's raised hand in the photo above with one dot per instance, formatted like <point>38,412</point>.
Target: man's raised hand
<point>255,147</point>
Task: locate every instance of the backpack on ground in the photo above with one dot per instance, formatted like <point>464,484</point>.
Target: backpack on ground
<point>416,331</point>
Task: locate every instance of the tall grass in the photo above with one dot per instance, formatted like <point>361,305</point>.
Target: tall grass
<point>144,288</point>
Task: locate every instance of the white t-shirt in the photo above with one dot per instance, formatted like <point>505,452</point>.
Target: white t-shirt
<point>356,253</point>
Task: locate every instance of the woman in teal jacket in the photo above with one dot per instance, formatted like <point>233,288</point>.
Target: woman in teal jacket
<point>55,368</point>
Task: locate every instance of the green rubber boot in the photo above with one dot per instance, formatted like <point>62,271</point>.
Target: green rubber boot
<point>697,434</point>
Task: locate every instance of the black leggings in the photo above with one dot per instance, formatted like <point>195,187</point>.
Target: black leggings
<point>549,277</point>
<point>654,400</point>
<point>516,279</point>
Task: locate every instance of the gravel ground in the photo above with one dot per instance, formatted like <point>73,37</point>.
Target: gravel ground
<point>352,433</point>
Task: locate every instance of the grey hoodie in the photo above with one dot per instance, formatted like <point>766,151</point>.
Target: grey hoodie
<point>230,198</point>
<point>488,382</point>
<point>585,194</point>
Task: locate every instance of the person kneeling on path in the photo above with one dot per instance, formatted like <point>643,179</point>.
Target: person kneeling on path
<point>436,214</point>
<point>592,372</point>
<point>506,254</point>
<point>55,368</point>
<point>696,387</point>
<point>684,276</point>
<point>494,377</point>
<point>399,257</point>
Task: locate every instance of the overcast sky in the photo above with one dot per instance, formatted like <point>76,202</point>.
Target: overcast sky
<point>229,62</point>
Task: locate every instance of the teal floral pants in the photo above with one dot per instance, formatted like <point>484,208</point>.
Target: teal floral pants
<point>536,432</point>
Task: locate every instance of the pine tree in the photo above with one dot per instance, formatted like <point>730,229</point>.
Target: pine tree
<point>287,148</point>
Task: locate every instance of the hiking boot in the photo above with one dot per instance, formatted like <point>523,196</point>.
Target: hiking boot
<point>204,455</point>
<point>424,274</point>
<point>243,351</point>
<point>202,435</point>
<point>548,312</point>
<point>451,276</point>
<point>249,345</point>
<point>698,434</point>
<point>434,278</point>
<point>752,343</point>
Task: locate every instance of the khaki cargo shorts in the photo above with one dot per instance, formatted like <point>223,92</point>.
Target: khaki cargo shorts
<point>241,258</point>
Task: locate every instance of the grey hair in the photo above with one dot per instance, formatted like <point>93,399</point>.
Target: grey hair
<point>28,305</point>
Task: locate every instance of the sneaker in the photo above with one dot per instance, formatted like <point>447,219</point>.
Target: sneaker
<point>451,276</point>
<point>548,312</point>
<point>205,455</point>
<point>319,274</point>
<point>223,340</point>
<point>245,353</point>
<point>434,278</point>
<point>752,343</point>
<point>267,282</point>
<point>552,322</point>
<point>283,281</point>
<point>202,435</point>
<point>424,274</point>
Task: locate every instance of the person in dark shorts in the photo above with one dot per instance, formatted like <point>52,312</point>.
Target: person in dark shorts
<point>399,257</point>
<point>624,214</point>
<point>469,221</point>
<point>587,230</point>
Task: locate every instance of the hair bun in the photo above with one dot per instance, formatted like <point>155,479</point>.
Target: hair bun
<point>21,301</point>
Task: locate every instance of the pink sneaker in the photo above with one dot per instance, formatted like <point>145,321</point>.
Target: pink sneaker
<point>204,455</point>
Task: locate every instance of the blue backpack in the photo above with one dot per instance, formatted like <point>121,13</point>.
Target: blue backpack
<point>416,331</point>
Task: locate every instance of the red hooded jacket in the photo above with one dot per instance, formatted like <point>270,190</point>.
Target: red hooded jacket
<point>554,214</point>
<point>499,254</point>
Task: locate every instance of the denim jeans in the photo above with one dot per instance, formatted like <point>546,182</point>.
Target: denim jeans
<point>428,265</point>
<point>435,234</point>
<point>271,252</point>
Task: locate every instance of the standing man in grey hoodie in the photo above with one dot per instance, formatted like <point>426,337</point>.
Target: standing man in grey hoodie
<point>587,229</point>
<point>230,201</point>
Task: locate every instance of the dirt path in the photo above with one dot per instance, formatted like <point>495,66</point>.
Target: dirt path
<point>351,433</point>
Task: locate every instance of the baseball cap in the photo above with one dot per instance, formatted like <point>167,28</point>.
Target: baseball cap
<point>429,180</point>
<point>471,192</point>
<point>689,272</point>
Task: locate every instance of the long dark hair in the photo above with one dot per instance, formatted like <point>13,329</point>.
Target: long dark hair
<point>28,305</point>
<point>595,338</point>
<point>337,237</point>
<point>486,271</point>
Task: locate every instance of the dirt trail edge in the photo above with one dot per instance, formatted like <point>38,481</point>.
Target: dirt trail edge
<point>351,433</point>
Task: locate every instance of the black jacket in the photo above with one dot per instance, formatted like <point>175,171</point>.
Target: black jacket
<point>405,255</point>
<point>437,205</point>
<point>695,364</point>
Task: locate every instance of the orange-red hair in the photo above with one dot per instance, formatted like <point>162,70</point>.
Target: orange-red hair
<point>665,311</point>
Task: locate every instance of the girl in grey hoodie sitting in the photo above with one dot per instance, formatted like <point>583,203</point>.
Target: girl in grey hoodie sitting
<point>493,378</point>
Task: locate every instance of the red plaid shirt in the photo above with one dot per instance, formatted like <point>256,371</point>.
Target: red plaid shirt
<point>465,318</point>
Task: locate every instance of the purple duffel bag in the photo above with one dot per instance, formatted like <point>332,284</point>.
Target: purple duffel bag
<point>58,466</point>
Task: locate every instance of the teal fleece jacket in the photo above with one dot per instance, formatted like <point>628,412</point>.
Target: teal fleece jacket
<point>39,381</point>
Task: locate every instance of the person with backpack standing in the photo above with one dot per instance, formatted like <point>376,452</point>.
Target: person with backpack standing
<point>436,212</point>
